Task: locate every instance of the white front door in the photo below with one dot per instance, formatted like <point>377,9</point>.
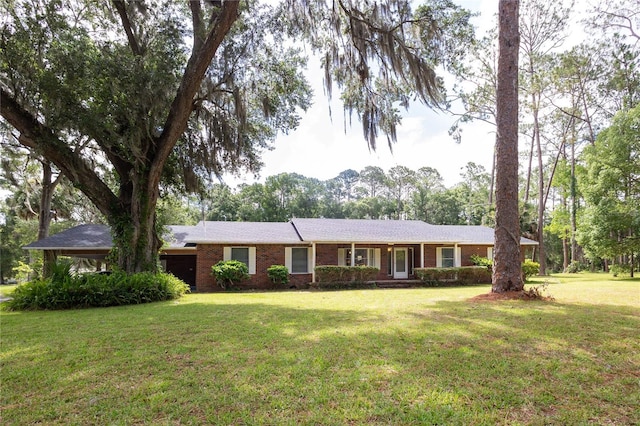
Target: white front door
<point>400,263</point>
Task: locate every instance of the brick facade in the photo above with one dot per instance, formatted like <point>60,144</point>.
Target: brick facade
<point>266,256</point>
<point>326,254</point>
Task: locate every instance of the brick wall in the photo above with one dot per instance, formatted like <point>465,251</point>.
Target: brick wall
<point>266,256</point>
<point>326,254</point>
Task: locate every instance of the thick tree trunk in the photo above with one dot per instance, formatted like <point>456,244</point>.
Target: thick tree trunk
<point>507,270</point>
<point>131,213</point>
<point>134,225</point>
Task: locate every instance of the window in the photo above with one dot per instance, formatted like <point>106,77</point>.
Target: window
<point>246,255</point>
<point>241,254</point>
<point>490,253</point>
<point>362,257</point>
<point>297,259</point>
<point>447,257</point>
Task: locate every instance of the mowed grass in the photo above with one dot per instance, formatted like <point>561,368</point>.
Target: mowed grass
<point>387,357</point>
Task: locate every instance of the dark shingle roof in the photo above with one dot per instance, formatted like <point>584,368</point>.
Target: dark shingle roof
<point>99,237</point>
<point>80,237</point>
<point>245,233</point>
<point>360,230</point>
<point>295,232</point>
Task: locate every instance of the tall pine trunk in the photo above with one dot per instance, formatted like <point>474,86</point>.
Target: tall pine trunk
<point>507,270</point>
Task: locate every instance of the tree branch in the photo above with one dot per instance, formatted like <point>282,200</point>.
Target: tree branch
<point>181,108</point>
<point>39,138</point>
<point>126,23</point>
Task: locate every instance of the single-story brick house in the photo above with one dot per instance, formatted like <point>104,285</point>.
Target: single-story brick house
<point>396,247</point>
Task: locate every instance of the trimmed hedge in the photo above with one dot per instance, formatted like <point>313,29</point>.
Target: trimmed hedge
<point>465,275</point>
<point>331,276</point>
<point>66,291</point>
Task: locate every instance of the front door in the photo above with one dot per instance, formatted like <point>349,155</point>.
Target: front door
<point>400,263</point>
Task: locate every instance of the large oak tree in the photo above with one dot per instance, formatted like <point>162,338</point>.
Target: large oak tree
<point>166,93</point>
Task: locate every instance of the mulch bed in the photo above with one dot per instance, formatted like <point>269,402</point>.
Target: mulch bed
<point>511,295</point>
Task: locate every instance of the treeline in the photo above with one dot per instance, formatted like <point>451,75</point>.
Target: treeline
<point>371,193</point>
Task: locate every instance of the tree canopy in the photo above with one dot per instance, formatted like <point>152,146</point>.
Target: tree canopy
<point>169,93</point>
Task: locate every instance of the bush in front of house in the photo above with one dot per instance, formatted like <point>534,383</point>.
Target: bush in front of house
<point>481,261</point>
<point>64,290</point>
<point>331,276</point>
<point>442,277</point>
<point>278,274</point>
<point>230,272</point>
<point>530,268</point>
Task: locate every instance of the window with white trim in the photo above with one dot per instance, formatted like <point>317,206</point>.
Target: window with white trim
<point>246,255</point>
<point>490,253</point>
<point>445,257</point>
<point>362,257</point>
<point>298,259</point>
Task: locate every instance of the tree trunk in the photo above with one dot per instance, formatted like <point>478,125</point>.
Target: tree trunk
<point>134,225</point>
<point>541,198</point>
<point>493,174</point>
<point>45,216</point>
<point>507,270</point>
<point>565,253</point>
<point>574,221</point>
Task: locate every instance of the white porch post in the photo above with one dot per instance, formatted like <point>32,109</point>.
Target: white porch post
<point>457,260</point>
<point>353,254</point>
<point>422,255</point>
<point>313,262</point>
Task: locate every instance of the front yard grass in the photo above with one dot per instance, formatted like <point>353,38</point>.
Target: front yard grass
<point>405,356</point>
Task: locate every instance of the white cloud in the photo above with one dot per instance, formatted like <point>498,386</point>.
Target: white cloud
<point>321,148</point>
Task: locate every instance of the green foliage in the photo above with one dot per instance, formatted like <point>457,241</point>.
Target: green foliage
<point>278,274</point>
<point>22,271</point>
<point>481,261</point>
<point>230,272</point>
<point>67,291</point>
<point>345,274</point>
<point>574,267</point>
<point>620,269</point>
<point>465,275</point>
<point>610,225</point>
<point>530,268</point>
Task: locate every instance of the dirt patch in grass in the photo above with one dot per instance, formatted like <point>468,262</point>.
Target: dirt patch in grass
<point>530,294</point>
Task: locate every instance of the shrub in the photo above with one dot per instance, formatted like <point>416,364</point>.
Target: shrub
<point>66,291</point>
<point>481,261</point>
<point>574,267</point>
<point>230,272</point>
<point>345,274</point>
<point>618,269</point>
<point>465,275</point>
<point>278,274</point>
<point>530,268</point>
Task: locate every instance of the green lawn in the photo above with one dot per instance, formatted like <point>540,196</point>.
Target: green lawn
<point>388,357</point>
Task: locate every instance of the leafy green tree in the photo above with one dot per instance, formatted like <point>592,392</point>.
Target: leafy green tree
<point>165,89</point>
<point>373,180</point>
<point>610,226</point>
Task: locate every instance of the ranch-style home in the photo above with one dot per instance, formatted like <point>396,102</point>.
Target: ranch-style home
<point>396,247</point>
